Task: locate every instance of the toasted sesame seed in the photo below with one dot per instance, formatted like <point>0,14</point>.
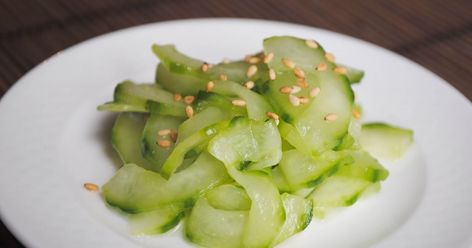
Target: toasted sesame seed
<point>296,89</point>
<point>315,91</point>
<point>321,67</point>
<point>289,63</point>
<point>272,115</point>
<point>330,57</point>
<point>295,101</point>
<point>268,57</point>
<point>189,111</point>
<point>205,67</point>
<point>285,90</point>
<point>272,74</point>
<point>223,77</point>
<point>311,43</point>
<point>252,59</point>
<point>189,99</point>
<point>164,143</point>
<point>251,71</point>
<point>173,136</point>
<point>91,187</point>
<point>177,97</point>
<point>302,82</point>
<point>340,70</point>
<point>356,114</point>
<point>330,117</point>
<point>299,73</point>
<point>304,100</point>
<point>238,102</point>
<point>210,86</point>
<point>164,132</point>
<point>249,84</point>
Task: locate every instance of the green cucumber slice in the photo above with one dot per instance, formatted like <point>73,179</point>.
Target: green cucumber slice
<point>171,109</point>
<point>215,228</point>
<point>121,107</point>
<point>204,118</point>
<point>157,221</point>
<point>385,141</point>
<point>179,83</point>
<point>354,75</point>
<point>229,197</point>
<point>150,149</point>
<point>134,189</point>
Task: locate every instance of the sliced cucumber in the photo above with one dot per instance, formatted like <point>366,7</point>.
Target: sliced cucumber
<point>385,141</point>
<point>215,228</point>
<point>208,99</point>
<point>151,150</point>
<point>121,107</point>
<point>134,189</point>
<point>172,109</point>
<point>205,118</point>
<point>126,139</point>
<point>157,221</point>
<point>298,214</point>
<point>354,75</point>
<point>279,179</point>
<point>179,83</point>
<point>176,61</point>
<point>248,144</point>
<point>229,197</point>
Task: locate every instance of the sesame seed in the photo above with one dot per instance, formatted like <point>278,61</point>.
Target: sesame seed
<point>189,111</point>
<point>356,114</point>
<point>330,117</point>
<point>189,99</point>
<point>252,59</point>
<point>289,63</point>
<point>251,71</point>
<point>295,101</point>
<point>315,91</point>
<point>223,77</point>
<point>91,187</point>
<point>177,97</point>
<point>249,84</point>
<point>210,86</point>
<point>164,143</point>
<point>321,67</point>
<point>299,73</point>
<point>164,132</point>
<point>330,57</point>
<point>268,57</point>
<point>238,102</point>
<point>296,89</point>
<point>285,90</point>
<point>302,82</point>
<point>304,100</point>
<point>205,67</point>
<point>272,74</point>
<point>173,136</point>
<point>272,115</point>
<point>340,70</point>
<point>311,43</point>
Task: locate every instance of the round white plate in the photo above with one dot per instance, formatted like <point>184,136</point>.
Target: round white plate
<point>52,140</point>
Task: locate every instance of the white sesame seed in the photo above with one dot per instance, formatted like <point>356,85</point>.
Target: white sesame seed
<point>252,59</point>
<point>249,84</point>
<point>251,71</point>
<point>272,115</point>
<point>164,132</point>
<point>164,143</point>
<point>356,114</point>
<point>177,97</point>
<point>340,70</point>
<point>189,111</point>
<point>295,101</point>
<point>285,90</point>
<point>272,74</point>
<point>330,117</point>
<point>299,73</point>
<point>205,67</point>
<point>91,187</point>
<point>189,99</point>
<point>311,43</point>
<point>304,100</point>
<point>296,89</point>
<point>268,58</point>
<point>238,102</point>
<point>330,57</point>
<point>210,86</point>
<point>315,91</point>
<point>223,77</point>
<point>321,67</point>
<point>302,82</point>
<point>289,63</point>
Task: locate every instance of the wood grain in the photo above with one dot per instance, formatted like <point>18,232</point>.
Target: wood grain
<point>435,33</point>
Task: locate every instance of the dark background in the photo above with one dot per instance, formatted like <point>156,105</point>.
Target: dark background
<point>435,33</point>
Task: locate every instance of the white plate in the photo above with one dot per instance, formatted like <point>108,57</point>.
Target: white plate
<point>53,140</point>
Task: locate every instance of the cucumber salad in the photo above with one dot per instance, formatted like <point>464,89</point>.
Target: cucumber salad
<point>244,153</point>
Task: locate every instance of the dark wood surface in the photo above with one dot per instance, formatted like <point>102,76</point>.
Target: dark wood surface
<point>435,33</point>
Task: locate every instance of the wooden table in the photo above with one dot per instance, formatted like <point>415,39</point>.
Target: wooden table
<point>435,33</point>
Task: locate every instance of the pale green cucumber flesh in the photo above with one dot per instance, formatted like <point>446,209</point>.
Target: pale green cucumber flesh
<point>385,141</point>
